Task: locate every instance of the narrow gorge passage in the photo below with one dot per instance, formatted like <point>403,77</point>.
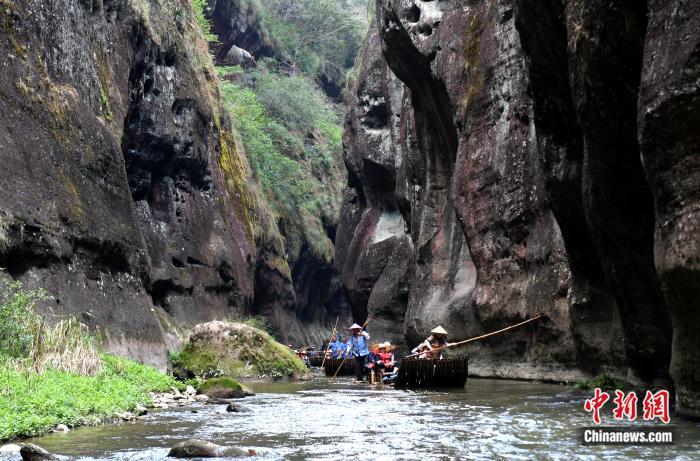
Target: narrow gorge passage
<point>200,198</point>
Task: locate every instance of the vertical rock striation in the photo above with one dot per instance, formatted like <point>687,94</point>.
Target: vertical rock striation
<point>669,137</point>
<point>530,157</point>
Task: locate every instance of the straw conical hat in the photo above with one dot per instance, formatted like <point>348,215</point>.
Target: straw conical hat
<point>355,327</point>
<point>439,331</point>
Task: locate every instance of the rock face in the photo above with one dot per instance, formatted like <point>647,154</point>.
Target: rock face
<point>505,159</point>
<point>668,121</point>
<point>124,192</point>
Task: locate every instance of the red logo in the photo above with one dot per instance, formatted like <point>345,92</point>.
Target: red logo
<point>625,405</point>
<point>656,406</point>
<point>596,403</point>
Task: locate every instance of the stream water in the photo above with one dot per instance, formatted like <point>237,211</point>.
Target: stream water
<point>489,420</point>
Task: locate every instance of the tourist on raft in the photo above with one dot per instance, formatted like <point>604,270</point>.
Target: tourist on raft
<point>343,352</point>
<point>384,359</point>
<point>357,347</point>
<point>336,347</point>
<point>437,339</point>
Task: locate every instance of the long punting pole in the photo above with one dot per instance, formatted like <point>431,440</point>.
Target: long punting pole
<point>341,363</point>
<point>325,353</point>
<point>477,338</point>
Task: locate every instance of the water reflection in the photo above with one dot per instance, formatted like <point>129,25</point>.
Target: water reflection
<point>488,420</point>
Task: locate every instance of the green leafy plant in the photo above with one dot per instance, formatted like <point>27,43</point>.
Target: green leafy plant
<point>292,139</point>
<point>200,16</point>
<point>19,322</point>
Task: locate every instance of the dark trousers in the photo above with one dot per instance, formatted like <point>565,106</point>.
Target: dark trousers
<point>360,367</point>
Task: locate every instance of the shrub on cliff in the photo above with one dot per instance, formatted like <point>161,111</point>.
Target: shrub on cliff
<point>292,139</point>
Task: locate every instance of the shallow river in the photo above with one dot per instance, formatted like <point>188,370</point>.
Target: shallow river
<point>488,420</point>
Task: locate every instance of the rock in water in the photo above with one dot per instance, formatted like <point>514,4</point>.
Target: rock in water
<point>222,388</point>
<point>236,408</point>
<point>237,350</point>
<point>31,452</point>
<point>9,449</point>
<point>202,449</point>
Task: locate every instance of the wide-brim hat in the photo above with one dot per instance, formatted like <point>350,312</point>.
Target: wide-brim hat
<point>438,331</point>
<point>355,327</point>
<point>388,346</point>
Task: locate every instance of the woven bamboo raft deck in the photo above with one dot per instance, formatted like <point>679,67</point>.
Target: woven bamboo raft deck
<point>424,373</point>
<point>316,361</point>
<point>331,366</point>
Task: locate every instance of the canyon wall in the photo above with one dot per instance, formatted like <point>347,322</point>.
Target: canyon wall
<point>513,158</point>
<point>123,190</point>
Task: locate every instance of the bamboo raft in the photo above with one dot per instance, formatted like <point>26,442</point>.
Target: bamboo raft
<point>316,361</point>
<point>432,373</point>
<point>331,367</point>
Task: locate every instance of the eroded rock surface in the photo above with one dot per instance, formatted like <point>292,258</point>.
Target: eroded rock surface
<point>505,159</point>
<point>124,192</point>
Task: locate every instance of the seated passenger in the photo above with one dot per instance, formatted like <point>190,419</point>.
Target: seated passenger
<point>385,358</point>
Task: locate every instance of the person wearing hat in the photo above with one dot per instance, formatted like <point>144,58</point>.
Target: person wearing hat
<point>437,339</point>
<point>357,347</point>
<point>385,358</point>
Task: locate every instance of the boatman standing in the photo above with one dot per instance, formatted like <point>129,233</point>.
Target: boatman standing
<point>357,346</point>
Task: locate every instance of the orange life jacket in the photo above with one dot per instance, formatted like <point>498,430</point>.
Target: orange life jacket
<point>385,357</point>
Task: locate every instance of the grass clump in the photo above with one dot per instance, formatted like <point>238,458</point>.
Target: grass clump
<point>53,372</point>
<point>34,403</point>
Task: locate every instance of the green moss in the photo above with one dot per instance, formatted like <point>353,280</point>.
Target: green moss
<point>243,352</point>
<point>234,168</point>
<point>603,381</point>
<point>471,54</point>
<point>221,384</point>
<point>106,110</point>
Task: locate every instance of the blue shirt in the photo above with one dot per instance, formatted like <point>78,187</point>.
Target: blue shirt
<point>358,346</point>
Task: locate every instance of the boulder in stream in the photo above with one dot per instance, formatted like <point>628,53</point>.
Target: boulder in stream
<point>31,452</point>
<point>10,449</point>
<point>237,350</point>
<point>223,388</point>
<point>236,408</point>
<point>194,448</point>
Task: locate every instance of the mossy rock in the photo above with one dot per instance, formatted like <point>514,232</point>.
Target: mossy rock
<point>223,387</point>
<point>237,350</point>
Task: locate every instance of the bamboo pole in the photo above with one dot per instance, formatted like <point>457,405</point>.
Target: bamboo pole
<point>344,358</point>
<point>325,353</point>
<point>477,338</point>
